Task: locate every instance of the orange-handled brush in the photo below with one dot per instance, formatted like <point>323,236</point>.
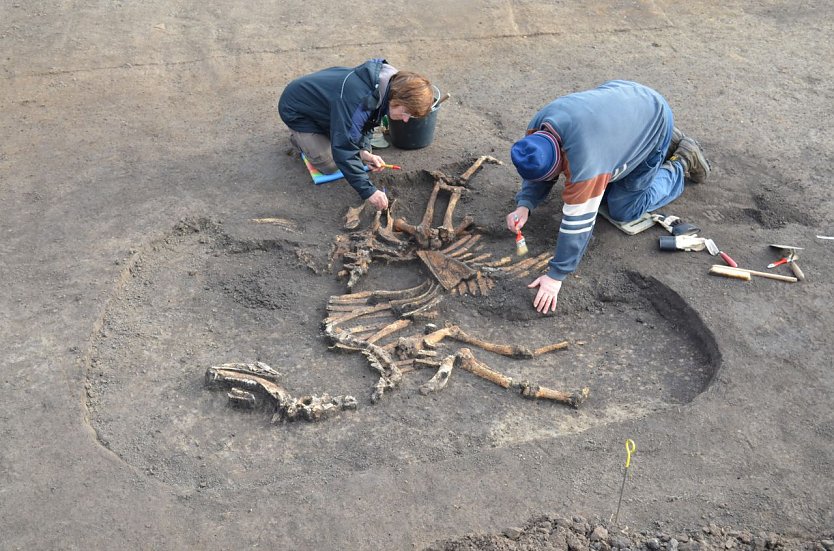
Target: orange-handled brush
<point>520,243</point>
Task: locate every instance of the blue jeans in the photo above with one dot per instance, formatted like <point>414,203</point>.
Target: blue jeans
<point>649,186</point>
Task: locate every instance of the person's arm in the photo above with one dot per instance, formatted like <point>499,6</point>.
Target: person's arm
<point>532,193</point>
<point>579,213</point>
<point>346,143</point>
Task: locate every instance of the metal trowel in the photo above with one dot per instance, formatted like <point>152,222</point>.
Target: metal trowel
<point>714,250</point>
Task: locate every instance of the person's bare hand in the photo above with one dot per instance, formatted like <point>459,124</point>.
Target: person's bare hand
<point>379,200</point>
<point>548,292</point>
<point>517,218</point>
<point>374,162</point>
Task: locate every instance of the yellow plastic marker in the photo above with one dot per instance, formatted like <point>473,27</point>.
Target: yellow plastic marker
<point>630,447</point>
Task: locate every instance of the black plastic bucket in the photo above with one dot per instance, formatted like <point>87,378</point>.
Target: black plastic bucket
<point>418,132</point>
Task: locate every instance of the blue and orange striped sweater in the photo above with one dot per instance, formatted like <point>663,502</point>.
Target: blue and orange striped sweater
<point>603,134</point>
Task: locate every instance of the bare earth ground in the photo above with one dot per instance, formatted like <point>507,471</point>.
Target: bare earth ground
<point>139,142</point>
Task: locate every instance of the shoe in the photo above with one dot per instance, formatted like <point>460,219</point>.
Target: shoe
<point>695,165</point>
<point>677,136</point>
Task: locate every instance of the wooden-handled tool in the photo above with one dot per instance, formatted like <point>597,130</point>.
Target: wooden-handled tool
<point>791,254</point>
<point>728,271</point>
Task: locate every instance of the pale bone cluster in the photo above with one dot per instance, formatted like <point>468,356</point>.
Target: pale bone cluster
<point>362,322</point>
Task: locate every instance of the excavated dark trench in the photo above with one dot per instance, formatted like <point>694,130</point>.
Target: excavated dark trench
<point>200,297</point>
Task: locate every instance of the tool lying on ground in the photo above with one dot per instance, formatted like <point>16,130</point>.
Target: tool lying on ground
<point>739,273</point>
<point>789,257</point>
<point>675,225</point>
<point>682,243</point>
<point>714,250</point>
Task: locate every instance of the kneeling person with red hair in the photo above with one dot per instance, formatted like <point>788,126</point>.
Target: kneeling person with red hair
<point>332,114</point>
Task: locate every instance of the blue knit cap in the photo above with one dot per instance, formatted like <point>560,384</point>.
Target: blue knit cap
<point>536,156</point>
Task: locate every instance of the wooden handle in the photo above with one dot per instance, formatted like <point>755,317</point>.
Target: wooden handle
<point>727,271</point>
<point>797,271</point>
<point>755,273</point>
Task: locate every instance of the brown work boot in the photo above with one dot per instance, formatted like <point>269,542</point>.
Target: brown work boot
<point>695,165</point>
<point>677,136</point>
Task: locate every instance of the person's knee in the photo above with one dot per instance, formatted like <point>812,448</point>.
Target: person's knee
<point>325,165</point>
<point>625,212</point>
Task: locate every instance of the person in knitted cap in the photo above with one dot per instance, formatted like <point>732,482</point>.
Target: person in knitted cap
<point>617,143</point>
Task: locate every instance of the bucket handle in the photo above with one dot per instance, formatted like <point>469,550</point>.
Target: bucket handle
<point>436,105</point>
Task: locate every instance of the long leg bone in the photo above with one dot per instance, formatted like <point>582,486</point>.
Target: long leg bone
<point>440,378</point>
<point>475,166</point>
<point>470,364</point>
<point>528,390</point>
<point>573,399</point>
<point>455,332</point>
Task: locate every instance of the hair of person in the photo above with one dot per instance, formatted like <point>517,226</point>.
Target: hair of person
<point>413,92</point>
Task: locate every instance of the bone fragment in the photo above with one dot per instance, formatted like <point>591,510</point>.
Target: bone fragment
<point>242,398</point>
<point>389,329</point>
<point>483,287</point>
<point>404,293</point>
<point>423,312</point>
<point>358,312</point>
<point>353,216</point>
<point>245,385</point>
<point>476,165</point>
<point>499,263</point>
<point>438,382</point>
<point>379,359</point>
<point>469,363</point>
<point>535,268</point>
<point>473,287</point>
<point>446,231</point>
<point>550,348</point>
<point>467,221</point>
<point>526,263</point>
<point>448,271</point>
<point>218,377</point>
<point>428,216</point>
<point>315,408</point>
<point>573,399</point>
<point>460,243</point>
<point>367,328</point>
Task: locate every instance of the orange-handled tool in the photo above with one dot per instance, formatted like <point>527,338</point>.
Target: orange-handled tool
<point>392,167</point>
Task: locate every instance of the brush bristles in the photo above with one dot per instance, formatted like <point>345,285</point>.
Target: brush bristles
<point>520,247</point>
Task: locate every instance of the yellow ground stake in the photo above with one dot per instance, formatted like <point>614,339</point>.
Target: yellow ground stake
<point>630,447</point>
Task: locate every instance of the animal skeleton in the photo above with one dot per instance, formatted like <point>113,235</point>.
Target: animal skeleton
<point>361,322</point>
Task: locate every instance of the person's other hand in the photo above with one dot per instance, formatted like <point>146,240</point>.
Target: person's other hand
<point>374,162</point>
<point>517,218</point>
<point>548,292</point>
<point>379,200</point>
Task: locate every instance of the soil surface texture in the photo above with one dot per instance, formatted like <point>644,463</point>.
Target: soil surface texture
<point>156,223</point>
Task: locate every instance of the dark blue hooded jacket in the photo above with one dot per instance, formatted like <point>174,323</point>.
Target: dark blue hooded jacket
<point>345,104</point>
